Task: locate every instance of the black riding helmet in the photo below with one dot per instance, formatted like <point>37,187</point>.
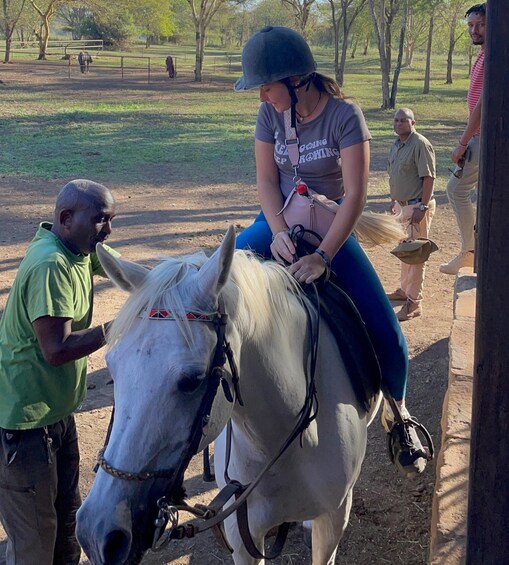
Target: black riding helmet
<point>276,53</point>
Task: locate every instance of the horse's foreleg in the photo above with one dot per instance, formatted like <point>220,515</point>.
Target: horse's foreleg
<point>327,532</point>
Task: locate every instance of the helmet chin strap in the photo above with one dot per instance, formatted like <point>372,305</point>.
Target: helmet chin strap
<point>293,96</point>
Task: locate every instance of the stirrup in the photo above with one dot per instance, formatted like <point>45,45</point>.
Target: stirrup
<point>397,436</point>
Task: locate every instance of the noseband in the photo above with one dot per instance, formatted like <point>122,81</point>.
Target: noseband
<point>215,376</point>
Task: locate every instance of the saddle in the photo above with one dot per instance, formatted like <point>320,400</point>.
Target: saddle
<point>339,312</point>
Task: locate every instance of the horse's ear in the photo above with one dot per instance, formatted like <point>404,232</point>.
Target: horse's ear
<point>126,275</point>
<point>214,273</point>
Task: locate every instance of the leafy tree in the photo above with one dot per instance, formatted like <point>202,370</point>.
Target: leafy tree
<point>362,31</point>
<point>452,13</point>
<point>184,26</point>
<point>73,18</point>
<point>432,8</point>
<point>383,14</point>
<point>154,18</point>
<point>46,10</point>
<point>416,27</point>
<point>202,13</point>
<point>26,25</point>
<point>270,12</point>
<point>343,13</point>
<point>301,10</point>
<point>115,29</point>
<point>224,27</point>
<point>401,46</point>
<point>11,12</point>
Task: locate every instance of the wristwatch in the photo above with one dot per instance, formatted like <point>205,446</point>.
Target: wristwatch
<point>423,207</point>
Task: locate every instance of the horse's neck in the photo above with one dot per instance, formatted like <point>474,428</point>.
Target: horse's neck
<point>272,377</point>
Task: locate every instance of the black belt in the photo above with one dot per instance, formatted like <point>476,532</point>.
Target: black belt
<point>409,202</point>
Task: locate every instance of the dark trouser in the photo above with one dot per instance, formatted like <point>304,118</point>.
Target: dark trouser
<point>39,494</point>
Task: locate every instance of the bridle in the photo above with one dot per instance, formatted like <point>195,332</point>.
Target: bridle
<point>215,377</point>
<point>213,514</point>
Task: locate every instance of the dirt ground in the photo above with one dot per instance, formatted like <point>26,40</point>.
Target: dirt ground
<point>390,519</point>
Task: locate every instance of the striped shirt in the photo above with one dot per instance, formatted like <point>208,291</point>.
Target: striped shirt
<point>476,83</point>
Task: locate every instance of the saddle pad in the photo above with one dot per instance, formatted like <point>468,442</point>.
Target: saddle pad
<point>352,339</point>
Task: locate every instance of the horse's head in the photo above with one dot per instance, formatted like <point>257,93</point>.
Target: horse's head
<point>162,363</point>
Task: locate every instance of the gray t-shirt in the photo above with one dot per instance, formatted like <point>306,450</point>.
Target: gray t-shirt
<point>340,125</point>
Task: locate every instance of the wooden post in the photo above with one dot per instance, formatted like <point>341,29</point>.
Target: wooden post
<point>488,512</point>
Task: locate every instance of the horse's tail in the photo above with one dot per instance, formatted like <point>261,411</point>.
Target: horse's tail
<point>374,229</point>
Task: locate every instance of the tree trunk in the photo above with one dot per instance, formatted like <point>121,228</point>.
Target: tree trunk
<point>450,51</point>
<point>388,47</point>
<point>354,47</point>
<point>409,54</point>
<point>427,72</point>
<point>200,48</point>
<point>344,47</point>
<point>335,28</point>
<point>8,43</point>
<point>380,37</point>
<point>448,77</point>
<point>397,70</point>
<point>10,25</point>
<point>43,38</point>
<point>384,67</point>
<point>366,46</point>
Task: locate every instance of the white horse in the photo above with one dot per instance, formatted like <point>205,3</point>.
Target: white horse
<point>160,367</point>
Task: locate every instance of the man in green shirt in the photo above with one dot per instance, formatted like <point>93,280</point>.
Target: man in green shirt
<point>45,337</point>
<point>411,168</point>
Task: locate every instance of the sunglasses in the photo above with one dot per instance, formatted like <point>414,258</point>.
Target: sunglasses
<point>457,172</point>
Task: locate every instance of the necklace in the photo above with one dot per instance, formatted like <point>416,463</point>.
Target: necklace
<point>302,117</point>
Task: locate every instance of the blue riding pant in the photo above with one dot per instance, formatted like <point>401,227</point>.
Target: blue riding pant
<point>357,277</point>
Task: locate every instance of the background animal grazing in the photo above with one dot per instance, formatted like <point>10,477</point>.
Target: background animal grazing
<point>84,60</point>
<point>162,347</point>
<point>170,67</point>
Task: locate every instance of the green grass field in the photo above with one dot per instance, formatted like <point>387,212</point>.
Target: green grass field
<point>205,130</point>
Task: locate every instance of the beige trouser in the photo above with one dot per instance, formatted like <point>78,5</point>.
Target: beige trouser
<point>412,276</point>
<point>459,192</point>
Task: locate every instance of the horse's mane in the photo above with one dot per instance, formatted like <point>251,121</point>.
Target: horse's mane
<point>261,290</point>
<point>168,274</point>
<point>265,293</point>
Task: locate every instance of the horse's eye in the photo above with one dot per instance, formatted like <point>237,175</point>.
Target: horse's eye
<point>189,383</point>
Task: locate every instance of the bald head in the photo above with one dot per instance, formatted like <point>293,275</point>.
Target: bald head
<point>83,213</point>
<point>80,194</point>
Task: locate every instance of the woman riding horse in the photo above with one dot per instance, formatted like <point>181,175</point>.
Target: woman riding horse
<point>334,161</point>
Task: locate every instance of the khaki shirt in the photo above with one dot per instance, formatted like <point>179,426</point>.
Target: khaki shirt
<point>409,162</point>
